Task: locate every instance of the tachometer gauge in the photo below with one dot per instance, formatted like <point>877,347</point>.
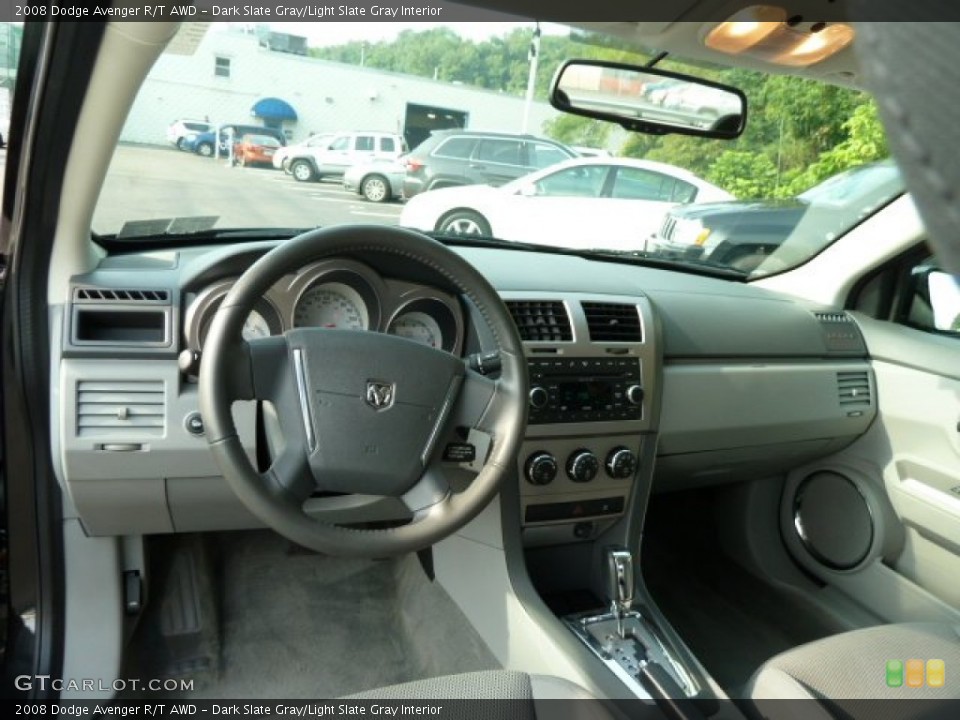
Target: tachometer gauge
<point>260,323</point>
<point>331,305</point>
<point>418,326</point>
<point>256,326</point>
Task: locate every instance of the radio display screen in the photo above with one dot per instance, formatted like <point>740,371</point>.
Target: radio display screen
<point>591,394</point>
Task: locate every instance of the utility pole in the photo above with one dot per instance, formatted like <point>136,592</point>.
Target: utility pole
<point>534,57</point>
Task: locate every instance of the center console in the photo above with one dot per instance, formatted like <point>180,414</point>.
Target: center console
<point>583,478</point>
<point>591,363</point>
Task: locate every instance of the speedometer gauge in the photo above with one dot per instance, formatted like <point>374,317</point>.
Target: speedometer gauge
<point>331,305</point>
<point>418,326</point>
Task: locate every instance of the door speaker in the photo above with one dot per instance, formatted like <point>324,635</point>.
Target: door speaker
<point>833,520</point>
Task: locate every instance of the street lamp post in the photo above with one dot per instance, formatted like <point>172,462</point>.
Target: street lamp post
<point>534,57</point>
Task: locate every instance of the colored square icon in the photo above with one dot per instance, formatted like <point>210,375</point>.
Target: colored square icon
<point>894,673</point>
<point>936,673</point>
<point>914,673</point>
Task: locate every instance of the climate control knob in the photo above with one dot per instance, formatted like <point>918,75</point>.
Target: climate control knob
<point>582,466</point>
<point>621,463</point>
<point>538,397</point>
<point>541,468</point>
<point>635,395</point>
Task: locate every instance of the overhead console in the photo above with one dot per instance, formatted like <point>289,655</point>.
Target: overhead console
<point>592,362</point>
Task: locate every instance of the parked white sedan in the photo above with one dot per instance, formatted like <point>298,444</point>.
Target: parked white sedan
<point>579,203</point>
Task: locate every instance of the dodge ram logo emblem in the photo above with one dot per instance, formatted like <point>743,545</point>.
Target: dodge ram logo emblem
<point>380,394</point>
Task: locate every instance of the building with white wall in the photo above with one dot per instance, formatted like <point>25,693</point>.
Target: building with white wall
<point>227,73</point>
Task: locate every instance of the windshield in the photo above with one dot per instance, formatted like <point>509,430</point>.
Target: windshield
<point>437,127</point>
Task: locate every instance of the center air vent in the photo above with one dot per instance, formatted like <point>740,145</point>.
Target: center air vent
<point>541,320</point>
<point>124,296</point>
<point>613,322</point>
<point>125,408</point>
<point>854,388</point>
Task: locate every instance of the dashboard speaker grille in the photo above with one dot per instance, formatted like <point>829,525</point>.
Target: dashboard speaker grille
<point>133,407</point>
<point>541,320</point>
<point>854,388</point>
<point>613,322</point>
<point>125,296</point>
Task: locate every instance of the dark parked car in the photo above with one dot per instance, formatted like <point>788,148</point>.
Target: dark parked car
<point>204,143</point>
<point>459,157</point>
<point>741,233</point>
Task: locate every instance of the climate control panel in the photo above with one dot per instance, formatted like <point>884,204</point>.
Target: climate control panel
<point>572,488</point>
<point>581,466</point>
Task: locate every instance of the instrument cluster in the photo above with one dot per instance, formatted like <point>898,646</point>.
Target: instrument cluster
<point>342,294</point>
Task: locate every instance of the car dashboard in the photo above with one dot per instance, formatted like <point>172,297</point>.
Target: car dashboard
<point>641,379</point>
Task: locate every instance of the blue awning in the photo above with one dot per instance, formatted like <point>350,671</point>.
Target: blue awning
<point>273,109</point>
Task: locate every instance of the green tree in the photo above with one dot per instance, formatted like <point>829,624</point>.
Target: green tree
<point>744,174</point>
<point>575,130</point>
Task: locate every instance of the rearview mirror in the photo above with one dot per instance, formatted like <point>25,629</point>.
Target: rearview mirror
<point>649,100</point>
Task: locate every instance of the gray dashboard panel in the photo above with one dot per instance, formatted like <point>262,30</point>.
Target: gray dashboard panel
<point>739,367</point>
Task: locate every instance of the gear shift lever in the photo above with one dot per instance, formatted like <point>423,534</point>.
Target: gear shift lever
<point>619,584</point>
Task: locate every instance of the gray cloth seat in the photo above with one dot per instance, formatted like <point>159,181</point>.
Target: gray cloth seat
<point>525,697</point>
<point>852,667</point>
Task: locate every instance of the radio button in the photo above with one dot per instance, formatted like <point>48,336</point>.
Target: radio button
<point>635,395</point>
<point>538,397</point>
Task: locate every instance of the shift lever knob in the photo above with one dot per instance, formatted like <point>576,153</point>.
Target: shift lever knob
<point>619,583</point>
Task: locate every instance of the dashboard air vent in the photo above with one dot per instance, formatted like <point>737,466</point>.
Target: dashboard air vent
<point>125,296</point>
<point>833,317</point>
<point>853,388</point>
<point>613,322</point>
<point>840,333</point>
<point>130,408</point>
<point>541,320</point>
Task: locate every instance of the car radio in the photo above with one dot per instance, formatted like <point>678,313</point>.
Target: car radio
<point>568,390</point>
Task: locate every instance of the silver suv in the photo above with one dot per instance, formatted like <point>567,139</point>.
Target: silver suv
<point>343,151</point>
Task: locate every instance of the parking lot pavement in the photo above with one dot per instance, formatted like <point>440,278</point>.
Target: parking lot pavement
<point>147,183</point>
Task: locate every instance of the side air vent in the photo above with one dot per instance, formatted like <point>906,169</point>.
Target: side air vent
<point>541,320</point>
<point>124,296</point>
<point>853,388</point>
<point>613,322</point>
<point>130,408</point>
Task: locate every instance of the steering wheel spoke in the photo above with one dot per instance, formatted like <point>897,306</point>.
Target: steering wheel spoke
<point>429,494</point>
<point>474,402</point>
<point>289,477</point>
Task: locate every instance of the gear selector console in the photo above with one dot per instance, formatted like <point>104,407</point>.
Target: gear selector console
<point>626,642</point>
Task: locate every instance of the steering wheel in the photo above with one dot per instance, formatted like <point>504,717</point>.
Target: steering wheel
<point>362,412</point>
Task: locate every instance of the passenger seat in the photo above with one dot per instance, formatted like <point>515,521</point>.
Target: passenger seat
<point>862,664</point>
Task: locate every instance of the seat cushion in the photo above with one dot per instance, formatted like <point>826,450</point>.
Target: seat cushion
<point>853,664</point>
<point>524,697</point>
<point>486,685</point>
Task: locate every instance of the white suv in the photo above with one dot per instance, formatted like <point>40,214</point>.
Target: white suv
<point>179,129</point>
<point>344,150</point>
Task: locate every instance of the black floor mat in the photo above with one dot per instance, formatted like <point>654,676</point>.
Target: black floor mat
<point>730,619</point>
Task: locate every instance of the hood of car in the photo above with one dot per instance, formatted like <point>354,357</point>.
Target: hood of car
<point>736,208</point>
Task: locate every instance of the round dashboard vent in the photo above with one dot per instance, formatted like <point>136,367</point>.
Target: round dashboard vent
<point>833,520</point>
